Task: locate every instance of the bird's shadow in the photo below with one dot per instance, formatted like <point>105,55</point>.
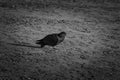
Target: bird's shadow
<point>24,45</point>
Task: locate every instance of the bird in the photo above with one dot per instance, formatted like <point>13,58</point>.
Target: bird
<point>52,39</point>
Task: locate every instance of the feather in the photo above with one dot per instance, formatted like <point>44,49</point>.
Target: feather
<point>52,39</point>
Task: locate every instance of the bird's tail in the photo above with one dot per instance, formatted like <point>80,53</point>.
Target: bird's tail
<point>40,43</point>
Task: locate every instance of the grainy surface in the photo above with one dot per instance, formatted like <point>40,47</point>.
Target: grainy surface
<point>90,51</point>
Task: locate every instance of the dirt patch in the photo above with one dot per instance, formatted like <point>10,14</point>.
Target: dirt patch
<point>90,50</point>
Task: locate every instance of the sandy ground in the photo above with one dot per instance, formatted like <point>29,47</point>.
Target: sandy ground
<point>90,51</point>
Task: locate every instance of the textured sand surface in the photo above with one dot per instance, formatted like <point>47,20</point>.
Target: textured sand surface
<point>90,51</point>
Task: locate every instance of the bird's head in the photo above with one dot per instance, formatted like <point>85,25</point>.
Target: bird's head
<point>62,34</point>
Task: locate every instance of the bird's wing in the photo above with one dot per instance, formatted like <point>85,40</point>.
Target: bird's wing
<point>51,38</point>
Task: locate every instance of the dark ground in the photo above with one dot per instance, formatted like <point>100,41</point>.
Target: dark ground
<point>90,51</point>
